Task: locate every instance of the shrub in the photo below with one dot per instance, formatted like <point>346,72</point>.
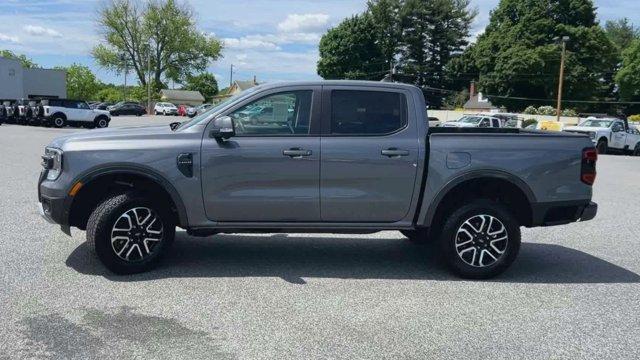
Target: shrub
<point>529,122</point>
<point>530,110</point>
<point>546,110</point>
<point>569,112</point>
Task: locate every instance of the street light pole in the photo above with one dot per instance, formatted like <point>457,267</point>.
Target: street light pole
<point>561,80</point>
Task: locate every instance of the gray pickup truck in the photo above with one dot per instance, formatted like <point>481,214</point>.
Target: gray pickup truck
<point>330,156</point>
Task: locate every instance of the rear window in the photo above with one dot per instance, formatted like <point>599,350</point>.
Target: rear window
<point>355,112</point>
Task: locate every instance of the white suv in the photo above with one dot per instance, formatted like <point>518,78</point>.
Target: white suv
<point>165,108</point>
<point>58,112</point>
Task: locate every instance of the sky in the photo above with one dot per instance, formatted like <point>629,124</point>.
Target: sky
<point>273,40</point>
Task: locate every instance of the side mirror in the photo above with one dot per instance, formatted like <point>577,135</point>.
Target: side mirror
<point>174,125</point>
<point>223,128</point>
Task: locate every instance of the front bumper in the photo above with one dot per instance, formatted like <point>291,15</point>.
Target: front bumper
<point>53,205</point>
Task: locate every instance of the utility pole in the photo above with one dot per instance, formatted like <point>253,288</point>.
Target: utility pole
<point>149,80</point>
<point>231,76</point>
<point>561,80</point>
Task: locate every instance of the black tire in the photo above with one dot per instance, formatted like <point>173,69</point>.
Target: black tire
<point>636,150</point>
<point>454,238</point>
<point>59,121</point>
<point>101,226</point>
<point>602,147</point>
<point>418,236</point>
<point>101,122</point>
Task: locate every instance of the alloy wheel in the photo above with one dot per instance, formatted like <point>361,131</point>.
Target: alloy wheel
<point>481,240</point>
<point>136,234</point>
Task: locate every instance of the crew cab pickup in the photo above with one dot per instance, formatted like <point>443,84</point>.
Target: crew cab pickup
<point>351,157</point>
<point>478,121</point>
<point>609,134</point>
<point>62,112</point>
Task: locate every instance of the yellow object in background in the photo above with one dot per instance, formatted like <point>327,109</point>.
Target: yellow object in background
<point>551,126</point>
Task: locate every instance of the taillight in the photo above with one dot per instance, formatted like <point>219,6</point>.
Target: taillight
<point>588,169</point>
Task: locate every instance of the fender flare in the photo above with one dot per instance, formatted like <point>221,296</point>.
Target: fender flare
<point>477,174</point>
<point>138,170</point>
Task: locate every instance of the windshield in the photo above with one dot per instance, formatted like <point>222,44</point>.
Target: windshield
<point>216,108</point>
<point>597,123</point>
<point>470,119</point>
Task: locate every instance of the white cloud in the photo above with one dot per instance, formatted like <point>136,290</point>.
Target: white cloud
<point>9,39</point>
<point>250,42</point>
<point>304,23</point>
<point>41,31</point>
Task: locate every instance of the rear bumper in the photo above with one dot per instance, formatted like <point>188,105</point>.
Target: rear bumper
<point>563,212</point>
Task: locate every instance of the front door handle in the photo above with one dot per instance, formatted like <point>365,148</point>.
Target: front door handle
<point>394,152</point>
<point>296,152</point>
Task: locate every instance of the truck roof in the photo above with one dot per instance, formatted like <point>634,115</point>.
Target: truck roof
<point>338,83</point>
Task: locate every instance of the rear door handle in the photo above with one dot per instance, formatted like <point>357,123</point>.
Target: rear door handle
<point>296,152</point>
<point>393,152</point>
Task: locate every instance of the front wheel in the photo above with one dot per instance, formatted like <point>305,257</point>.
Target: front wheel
<point>101,123</point>
<point>636,150</point>
<point>602,147</point>
<point>130,233</point>
<point>480,240</point>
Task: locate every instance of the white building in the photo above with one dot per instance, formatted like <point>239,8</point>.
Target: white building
<point>17,82</point>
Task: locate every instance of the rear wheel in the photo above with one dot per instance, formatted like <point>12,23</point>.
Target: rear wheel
<point>59,121</point>
<point>130,233</point>
<point>602,146</point>
<point>636,150</point>
<point>480,240</point>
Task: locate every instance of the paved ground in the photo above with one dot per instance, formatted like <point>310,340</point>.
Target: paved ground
<point>573,293</point>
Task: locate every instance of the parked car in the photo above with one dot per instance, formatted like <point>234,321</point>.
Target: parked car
<point>102,106</point>
<point>609,134</point>
<point>9,117</point>
<point>62,112</point>
<point>198,110</point>
<point>370,163</point>
<point>165,108</point>
<point>475,121</point>
<point>118,104</point>
<point>128,109</point>
<point>3,111</point>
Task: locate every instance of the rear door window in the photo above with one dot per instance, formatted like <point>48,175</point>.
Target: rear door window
<point>359,112</point>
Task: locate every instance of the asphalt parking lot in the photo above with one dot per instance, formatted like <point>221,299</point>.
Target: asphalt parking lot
<point>574,292</point>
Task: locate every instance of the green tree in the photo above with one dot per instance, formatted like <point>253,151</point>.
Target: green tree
<point>621,32</point>
<point>385,15</point>
<point>517,55</point>
<point>628,78</point>
<point>161,31</point>
<point>24,61</point>
<point>432,32</point>
<point>82,84</point>
<point>205,83</point>
<point>350,51</point>
<point>109,94</point>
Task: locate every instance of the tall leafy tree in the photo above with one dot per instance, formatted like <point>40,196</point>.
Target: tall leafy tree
<point>385,15</point>
<point>24,61</point>
<point>82,84</point>
<point>517,55</point>
<point>628,78</point>
<point>350,51</point>
<point>621,32</point>
<point>162,30</point>
<point>432,32</point>
<point>205,83</point>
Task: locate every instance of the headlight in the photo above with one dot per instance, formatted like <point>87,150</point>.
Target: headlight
<point>592,135</point>
<point>52,162</point>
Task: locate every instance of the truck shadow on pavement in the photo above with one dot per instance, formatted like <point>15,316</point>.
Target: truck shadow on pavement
<point>294,259</point>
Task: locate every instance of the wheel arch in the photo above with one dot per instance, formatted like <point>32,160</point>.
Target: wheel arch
<point>59,113</point>
<point>491,184</point>
<point>99,183</point>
